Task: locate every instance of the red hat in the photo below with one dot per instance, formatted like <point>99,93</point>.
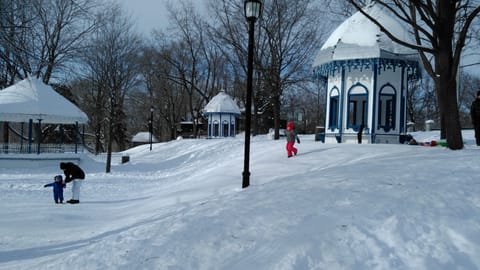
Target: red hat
<point>290,125</point>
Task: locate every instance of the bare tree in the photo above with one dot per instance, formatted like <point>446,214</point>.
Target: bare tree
<point>111,65</point>
<point>421,102</point>
<point>441,29</point>
<point>291,38</point>
<point>165,94</point>
<point>198,62</point>
<point>64,24</point>
<point>13,25</point>
<point>286,44</point>
<point>41,37</point>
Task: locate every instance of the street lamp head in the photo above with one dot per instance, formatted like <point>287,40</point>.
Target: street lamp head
<point>151,108</point>
<point>253,9</point>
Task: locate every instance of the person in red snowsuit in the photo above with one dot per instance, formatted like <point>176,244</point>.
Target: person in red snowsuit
<point>291,134</point>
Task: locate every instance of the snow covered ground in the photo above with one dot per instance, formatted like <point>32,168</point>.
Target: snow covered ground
<point>181,207</point>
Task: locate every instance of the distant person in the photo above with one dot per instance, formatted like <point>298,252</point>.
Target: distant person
<point>360,134</point>
<point>58,187</point>
<point>74,174</point>
<point>291,135</point>
<point>475,114</point>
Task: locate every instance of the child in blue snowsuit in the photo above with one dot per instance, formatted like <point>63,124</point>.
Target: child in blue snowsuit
<point>58,187</point>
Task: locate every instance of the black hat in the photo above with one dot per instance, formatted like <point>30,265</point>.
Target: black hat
<point>478,93</point>
<point>63,165</point>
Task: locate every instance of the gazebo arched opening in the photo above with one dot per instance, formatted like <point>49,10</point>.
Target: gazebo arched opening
<point>386,108</point>
<point>357,107</point>
<point>334,109</point>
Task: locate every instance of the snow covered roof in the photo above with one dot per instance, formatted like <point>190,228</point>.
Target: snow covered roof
<point>143,137</point>
<point>221,103</point>
<point>360,38</point>
<point>32,99</point>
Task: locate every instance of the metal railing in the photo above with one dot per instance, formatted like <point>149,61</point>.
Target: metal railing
<point>17,148</point>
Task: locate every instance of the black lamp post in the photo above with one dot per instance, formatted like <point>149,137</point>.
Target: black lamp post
<point>150,126</point>
<point>252,12</point>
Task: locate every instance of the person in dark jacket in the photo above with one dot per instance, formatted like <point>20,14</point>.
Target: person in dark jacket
<point>58,187</point>
<point>360,133</point>
<point>475,114</point>
<point>73,174</point>
<point>291,134</point>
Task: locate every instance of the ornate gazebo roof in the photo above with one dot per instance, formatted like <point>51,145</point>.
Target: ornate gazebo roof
<point>359,43</point>
<point>222,103</point>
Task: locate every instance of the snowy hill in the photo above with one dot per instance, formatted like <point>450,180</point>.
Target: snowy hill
<point>181,206</point>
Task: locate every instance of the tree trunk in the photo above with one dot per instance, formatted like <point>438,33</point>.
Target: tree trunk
<point>5,137</point>
<point>452,122</point>
<point>276,115</point>
<point>446,73</point>
<point>449,115</point>
<point>109,146</point>
<point>443,129</point>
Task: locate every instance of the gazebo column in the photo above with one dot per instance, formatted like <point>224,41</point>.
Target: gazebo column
<point>342,101</point>
<point>39,135</point>
<point>83,135</point>
<point>210,124</point>
<point>60,135</point>
<point>220,127</point>
<point>30,135</point>
<point>5,137</point>
<point>233,131</point>
<point>374,118</point>
<point>21,137</point>
<point>76,137</point>
<point>403,111</point>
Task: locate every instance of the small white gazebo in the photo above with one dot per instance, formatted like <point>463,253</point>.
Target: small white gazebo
<point>31,101</point>
<point>366,76</point>
<point>143,138</point>
<point>221,112</point>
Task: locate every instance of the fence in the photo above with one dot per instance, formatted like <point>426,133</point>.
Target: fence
<point>17,148</point>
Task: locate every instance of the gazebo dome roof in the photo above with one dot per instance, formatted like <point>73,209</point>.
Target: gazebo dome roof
<point>359,38</point>
<point>222,103</point>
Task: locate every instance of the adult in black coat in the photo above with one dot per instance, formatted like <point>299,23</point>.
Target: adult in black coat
<point>74,174</point>
<point>475,114</point>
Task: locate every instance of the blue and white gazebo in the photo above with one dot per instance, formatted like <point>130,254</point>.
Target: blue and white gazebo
<point>221,112</point>
<point>366,76</point>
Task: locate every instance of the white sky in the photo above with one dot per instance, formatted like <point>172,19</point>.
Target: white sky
<point>150,14</point>
<point>181,206</point>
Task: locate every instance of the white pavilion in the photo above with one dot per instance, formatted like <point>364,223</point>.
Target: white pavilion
<point>366,76</point>
<point>31,101</point>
